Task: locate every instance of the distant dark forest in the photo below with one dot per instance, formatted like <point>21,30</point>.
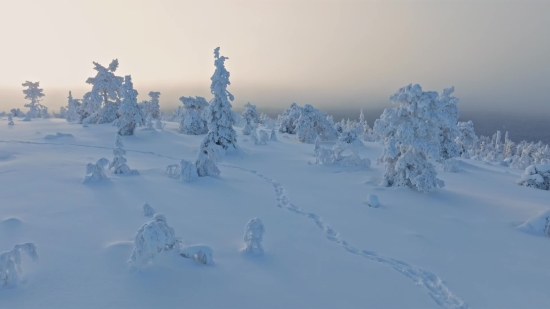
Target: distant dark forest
<point>532,128</point>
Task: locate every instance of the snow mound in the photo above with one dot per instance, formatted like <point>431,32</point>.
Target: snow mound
<point>4,155</point>
<point>200,253</point>
<point>373,201</point>
<point>11,222</point>
<point>538,225</point>
<point>57,136</point>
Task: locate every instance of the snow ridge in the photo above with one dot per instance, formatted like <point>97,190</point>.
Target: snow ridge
<point>437,289</point>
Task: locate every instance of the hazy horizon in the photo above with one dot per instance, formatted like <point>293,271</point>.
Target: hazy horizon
<point>332,54</point>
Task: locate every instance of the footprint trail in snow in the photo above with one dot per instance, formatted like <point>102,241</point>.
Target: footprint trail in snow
<point>439,292</point>
<point>431,282</point>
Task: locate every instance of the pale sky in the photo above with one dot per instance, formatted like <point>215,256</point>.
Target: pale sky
<point>339,53</point>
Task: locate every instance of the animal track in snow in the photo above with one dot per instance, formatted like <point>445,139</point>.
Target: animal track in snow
<point>436,288</point>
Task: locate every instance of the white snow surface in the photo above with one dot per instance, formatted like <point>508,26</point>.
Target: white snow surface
<point>456,247</point>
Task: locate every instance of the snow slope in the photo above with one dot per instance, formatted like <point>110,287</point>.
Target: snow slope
<point>458,247</point>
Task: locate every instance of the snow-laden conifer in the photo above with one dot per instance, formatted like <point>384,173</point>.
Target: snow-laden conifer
<point>411,133</point>
<point>251,118</point>
<point>103,101</point>
<point>305,125</point>
<point>447,114</point>
<point>35,94</point>
<point>219,115</point>
<point>10,120</point>
<point>10,263</point>
<point>193,122</point>
<point>96,172</point>
<point>253,236</point>
<point>118,165</point>
<point>287,121</point>
<point>130,113</point>
<point>151,110</point>
<point>73,106</point>
<point>152,238</point>
<point>466,139</point>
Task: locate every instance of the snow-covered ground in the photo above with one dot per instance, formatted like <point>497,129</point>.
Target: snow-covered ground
<point>457,247</point>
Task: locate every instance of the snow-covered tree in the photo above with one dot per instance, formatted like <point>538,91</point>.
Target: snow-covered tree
<point>206,162</point>
<point>185,171</point>
<point>10,120</point>
<point>10,263</point>
<point>96,172</point>
<point>411,133</point>
<point>16,112</point>
<point>251,117</point>
<point>73,106</point>
<point>259,138</point>
<point>253,236</point>
<point>536,176</point>
<point>336,156</point>
<point>148,211</point>
<point>102,102</point>
<point>287,121</point>
<point>151,109</point>
<point>118,165</point>
<point>35,94</point>
<point>466,139</point>
<point>273,135</point>
<point>130,113</point>
<point>309,124</point>
<point>447,112</point>
<point>219,114</point>
<point>152,238</point>
<point>193,121</point>
<point>305,125</point>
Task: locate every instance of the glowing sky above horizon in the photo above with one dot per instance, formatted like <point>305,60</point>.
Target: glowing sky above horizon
<point>331,54</point>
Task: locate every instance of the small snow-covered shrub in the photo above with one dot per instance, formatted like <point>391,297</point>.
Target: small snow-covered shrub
<point>118,164</point>
<point>200,253</point>
<point>206,162</point>
<point>334,156</point>
<point>10,120</point>
<point>96,172</point>
<point>536,176</point>
<point>450,165</point>
<point>10,263</point>
<point>173,171</point>
<point>253,236</point>
<point>373,201</point>
<point>264,137</point>
<point>152,238</point>
<point>148,211</point>
<point>251,117</point>
<point>273,135</point>
<point>259,139</point>
<point>185,171</point>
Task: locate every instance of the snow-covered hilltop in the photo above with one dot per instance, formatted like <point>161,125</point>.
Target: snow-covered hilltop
<point>416,211</point>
